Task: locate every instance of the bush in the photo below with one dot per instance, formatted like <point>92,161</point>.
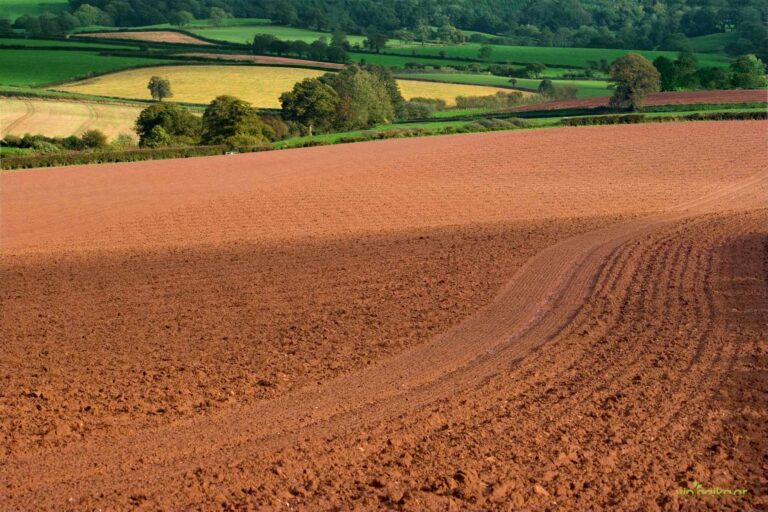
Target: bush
<point>94,139</point>
<point>419,108</point>
<point>597,120</point>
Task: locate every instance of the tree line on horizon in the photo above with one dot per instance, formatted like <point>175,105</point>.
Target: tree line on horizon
<point>664,24</point>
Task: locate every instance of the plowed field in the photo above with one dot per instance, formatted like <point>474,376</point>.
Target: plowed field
<point>569,319</point>
<point>158,36</point>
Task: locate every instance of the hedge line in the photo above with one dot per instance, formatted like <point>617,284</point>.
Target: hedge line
<point>640,118</point>
<point>100,157</point>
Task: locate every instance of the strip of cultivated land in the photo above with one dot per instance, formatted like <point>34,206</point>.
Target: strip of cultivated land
<point>259,85</point>
<point>155,36</point>
<point>494,320</point>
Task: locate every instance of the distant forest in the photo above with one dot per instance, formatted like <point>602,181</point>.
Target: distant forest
<point>641,24</point>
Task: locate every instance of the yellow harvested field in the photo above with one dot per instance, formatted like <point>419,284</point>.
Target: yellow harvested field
<point>259,85</point>
<point>61,118</point>
<point>447,92</point>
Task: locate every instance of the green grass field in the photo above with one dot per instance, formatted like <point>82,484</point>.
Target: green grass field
<point>396,61</point>
<point>577,57</point>
<point>12,9</point>
<point>245,33</point>
<point>712,43</point>
<point>586,88</point>
<point>49,43</point>
<point>39,67</point>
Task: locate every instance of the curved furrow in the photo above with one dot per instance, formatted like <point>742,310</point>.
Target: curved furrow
<point>542,298</point>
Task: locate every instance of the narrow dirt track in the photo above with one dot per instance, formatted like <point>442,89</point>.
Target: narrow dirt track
<point>613,367</point>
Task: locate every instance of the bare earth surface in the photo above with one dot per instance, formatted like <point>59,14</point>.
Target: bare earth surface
<point>661,98</point>
<point>572,319</point>
<point>157,36</point>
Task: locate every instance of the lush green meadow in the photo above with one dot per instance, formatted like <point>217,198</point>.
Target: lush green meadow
<point>575,57</point>
<point>52,43</point>
<point>12,9</point>
<point>712,43</point>
<point>586,88</point>
<point>244,33</point>
<point>39,67</point>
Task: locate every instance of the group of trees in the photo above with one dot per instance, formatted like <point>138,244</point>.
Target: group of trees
<point>336,51</point>
<point>227,120</point>
<point>664,24</point>
<point>549,90</point>
<point>356,97</point>
<point>746,72</point>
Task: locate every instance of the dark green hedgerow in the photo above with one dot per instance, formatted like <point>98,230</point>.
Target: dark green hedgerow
<point>640,118</point>
<point>97,157</point>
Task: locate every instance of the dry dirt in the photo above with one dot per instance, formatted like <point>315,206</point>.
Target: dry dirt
<point>157,36</point>
<point>571,319</point>
<point>660,98</point>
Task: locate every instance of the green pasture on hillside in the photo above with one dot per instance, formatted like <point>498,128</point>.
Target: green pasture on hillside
<point>39,67</point>
<point>712,43</point>
<point>244,33</point>
<point>12,9</point>
<point>51,43</point>
<point>586,88</point>
<point>576,57</point>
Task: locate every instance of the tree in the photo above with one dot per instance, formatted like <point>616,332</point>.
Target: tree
<point>375,40</point>
<point>159,88</point>
<point>485,51</point>
<point>178,125</point>
<point>6,28</point>
<point>311,103</point>
<point>748,72</point>
<point>423,32</point>
<point>364,99</point>
<point>339,39</point>
<point>262,43</point>
<point>232,121</point>
<point>667,72</point>
<point>633,77</point>
<point>156,138</point>
<point>534,69</point>
<point>547,88</point>
<point>94,139</point>
<point>686,64</point>
<point>217,15</point>
<point>182,18</point>
<point>318,49</point>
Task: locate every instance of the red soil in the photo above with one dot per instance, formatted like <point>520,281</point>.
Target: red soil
<point>377,186</point>
<point>659,98</point>
<point>157,36</point>
<point>393,325</point>
<point>263,59</point>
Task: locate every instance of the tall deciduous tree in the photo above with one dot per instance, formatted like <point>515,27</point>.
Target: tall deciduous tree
<point>633,76</point>
<point>232,121</point>
<point>159,88</point>
<point>311,103</point>
<point>165,123</point>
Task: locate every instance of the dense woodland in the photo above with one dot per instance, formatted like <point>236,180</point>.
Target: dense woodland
<point>639,24</point>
